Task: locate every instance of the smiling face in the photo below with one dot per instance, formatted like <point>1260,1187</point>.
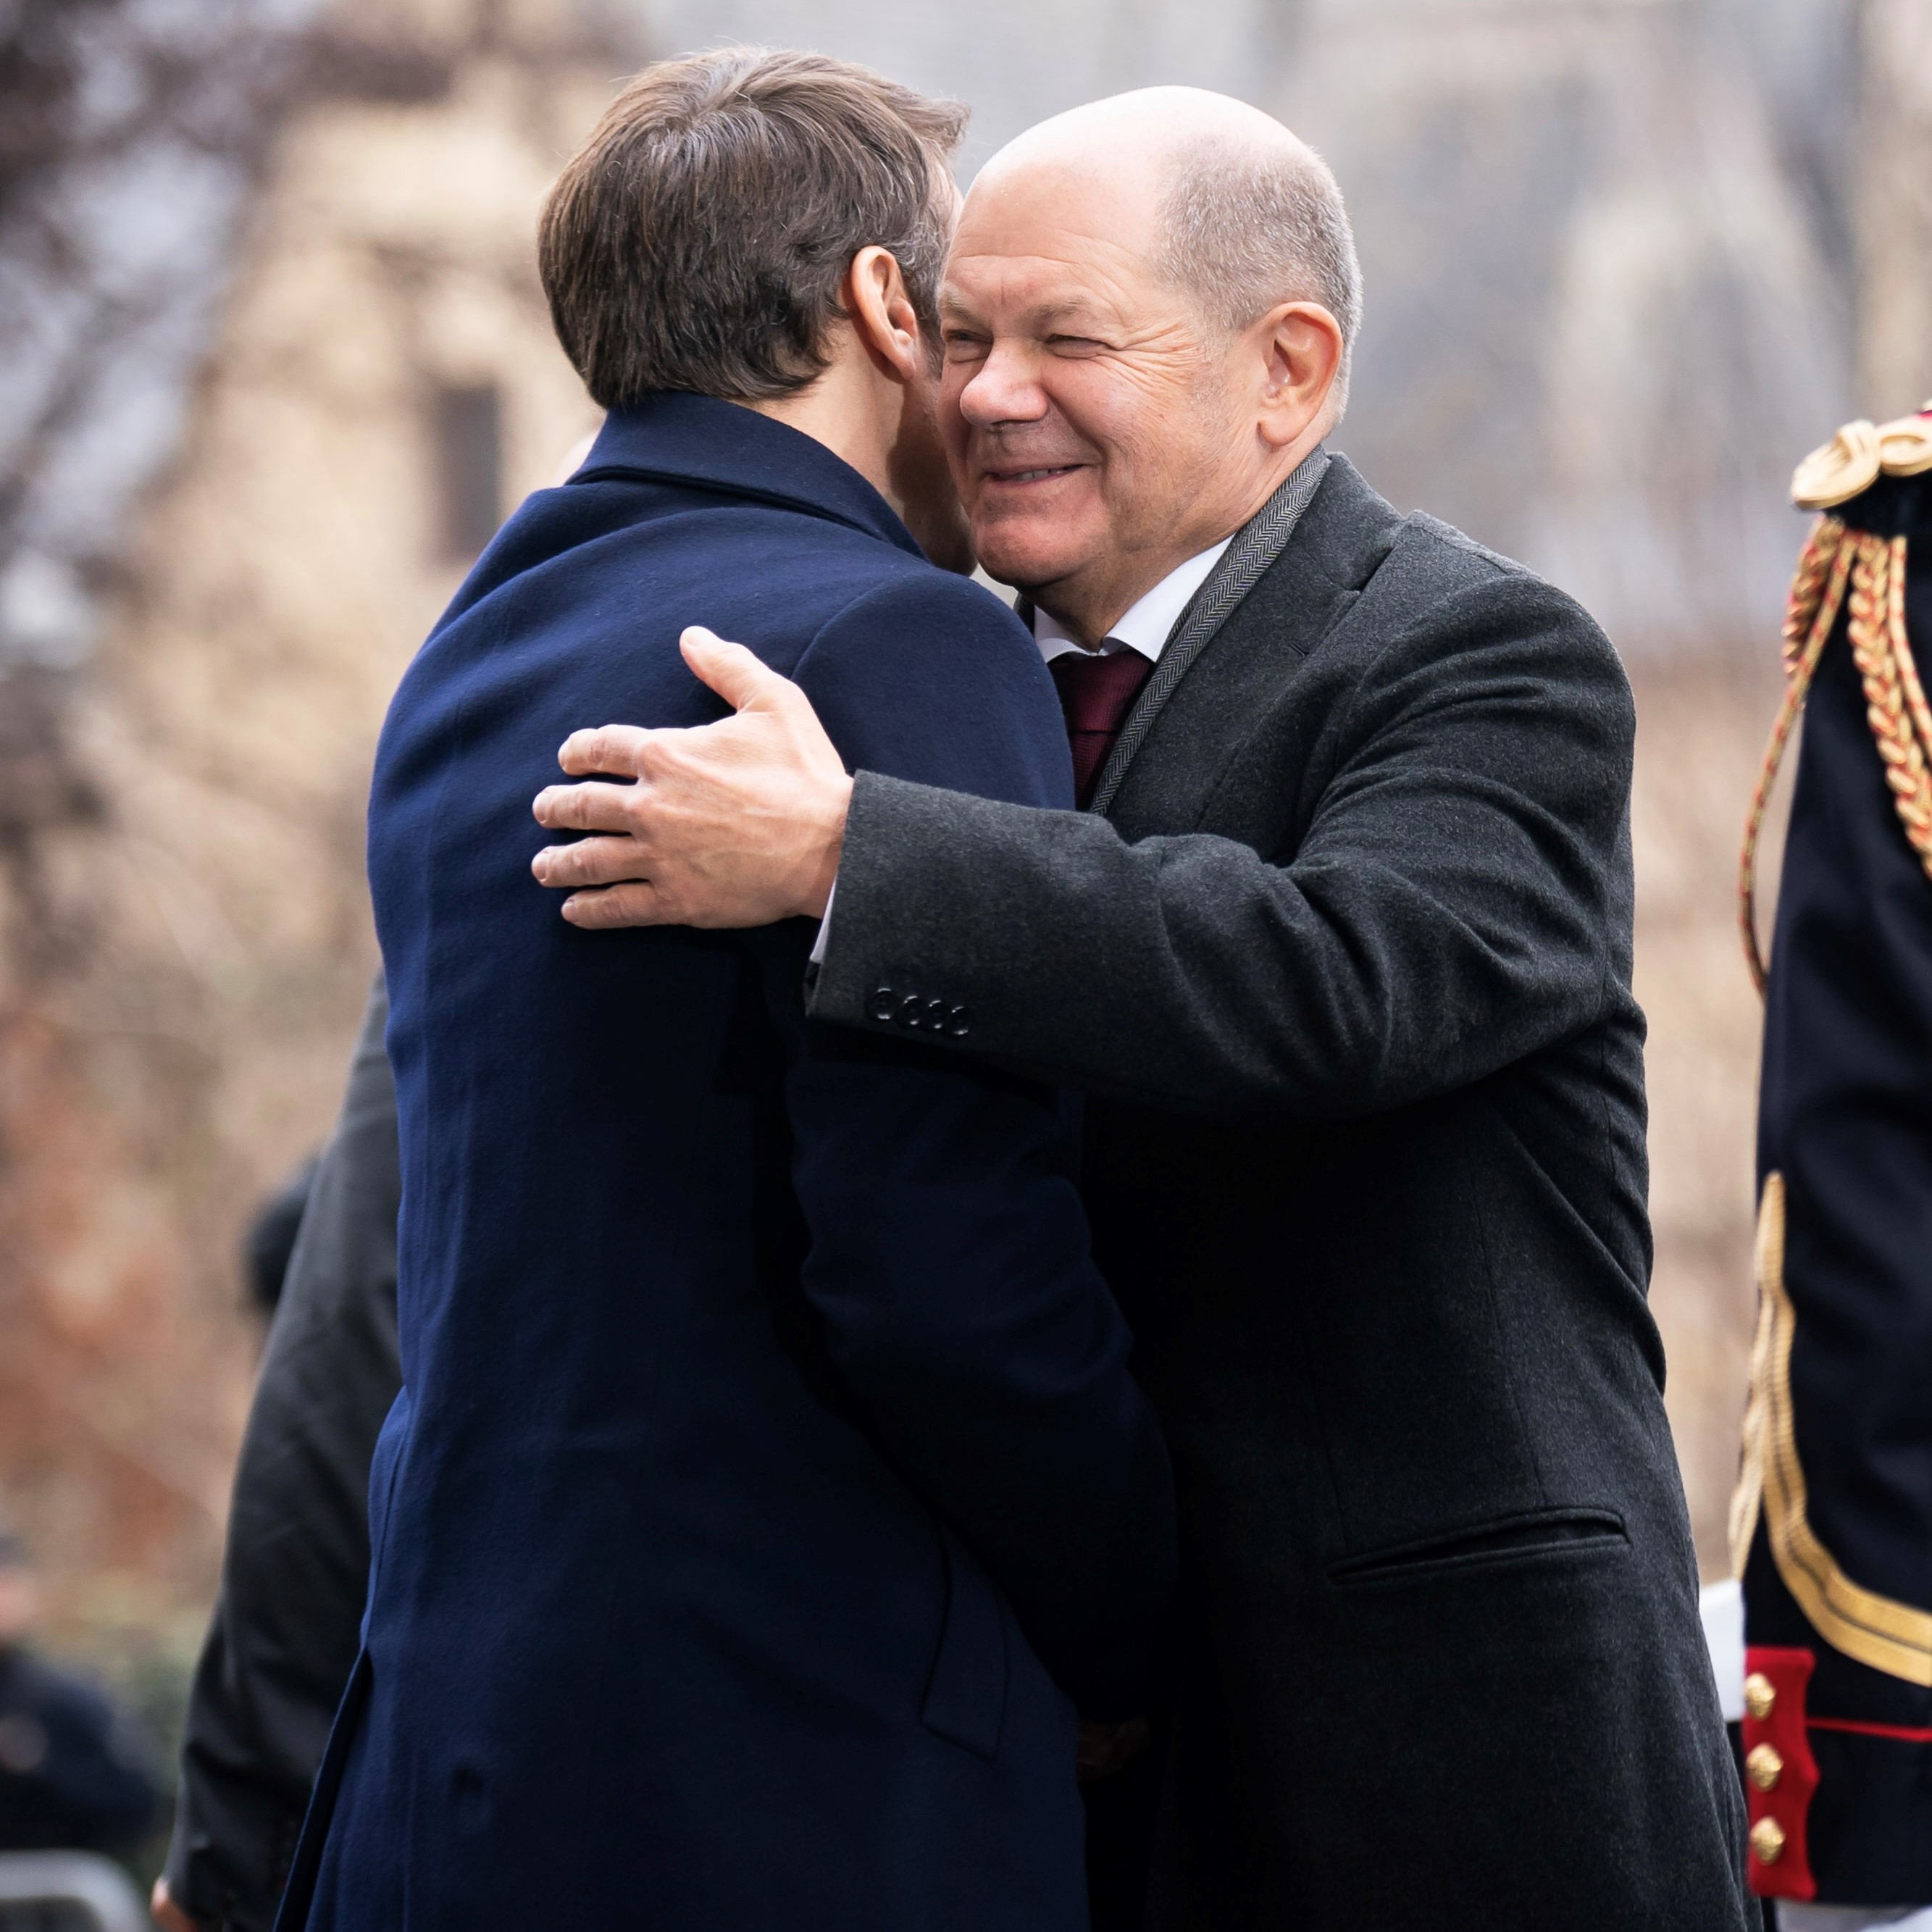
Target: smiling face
<point>1101,430</point>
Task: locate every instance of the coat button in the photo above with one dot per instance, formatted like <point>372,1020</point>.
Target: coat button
<point>958,1023</point>
<point>936,1014</point>
<point>911,1011</point>
<point>881,1004</point>
<point>1767,1841</point>
<point>1764,1767</point>
<point>1760,1695</point>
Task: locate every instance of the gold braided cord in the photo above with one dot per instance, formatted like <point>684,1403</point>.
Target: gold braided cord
<point>1877,631</point>
<point>1817,591</point>
<point>1873,569</point>
<point>1907,666</point>
<point>1877,1630</point>
<point>1748,1499</point>
<point>1808,587</point>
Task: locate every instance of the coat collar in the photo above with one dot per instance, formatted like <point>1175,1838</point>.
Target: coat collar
<point>671,437</point>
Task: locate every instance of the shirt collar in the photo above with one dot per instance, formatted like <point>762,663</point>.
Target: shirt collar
<point>1147,625</point>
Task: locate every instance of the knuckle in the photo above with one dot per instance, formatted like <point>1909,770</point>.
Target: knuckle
<point>606,861</point>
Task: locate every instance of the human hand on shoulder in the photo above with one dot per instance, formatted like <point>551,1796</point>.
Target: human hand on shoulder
<point>737,824</point>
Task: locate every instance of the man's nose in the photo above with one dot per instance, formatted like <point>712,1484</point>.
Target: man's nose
<point>1005,388</point>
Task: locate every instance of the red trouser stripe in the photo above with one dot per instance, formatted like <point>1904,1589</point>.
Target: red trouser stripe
<point>1905,1733</point>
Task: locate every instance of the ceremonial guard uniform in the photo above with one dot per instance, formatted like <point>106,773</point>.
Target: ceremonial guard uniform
<point>1832,1526</point>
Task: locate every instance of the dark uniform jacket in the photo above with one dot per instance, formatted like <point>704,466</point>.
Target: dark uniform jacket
<point>1346,946</point>
<point>295,1568</point>
<point>767,1487</point>
<point>1835,1530</point>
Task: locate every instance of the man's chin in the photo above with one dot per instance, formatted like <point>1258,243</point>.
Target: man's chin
<point>1024,555</point>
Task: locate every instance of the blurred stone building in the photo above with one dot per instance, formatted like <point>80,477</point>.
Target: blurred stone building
<point>192,695</point>
<point>273,363</point>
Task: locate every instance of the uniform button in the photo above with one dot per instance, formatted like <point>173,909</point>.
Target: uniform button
<point>911,1011</point>
<point>1760,1695</point>
<point>1764,1767</point>
<point>937,1013</point>
<point>958,1023</point>
<point>1767,1841</point>
<point>881,1004</point>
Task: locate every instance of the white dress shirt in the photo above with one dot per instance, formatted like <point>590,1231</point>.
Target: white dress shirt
<point>1145,625</point>
<point>1144,628</point>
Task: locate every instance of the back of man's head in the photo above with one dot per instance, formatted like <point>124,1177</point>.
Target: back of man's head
<point>698,240</point>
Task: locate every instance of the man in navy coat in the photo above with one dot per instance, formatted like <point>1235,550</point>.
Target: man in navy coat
<point>767,1493</point>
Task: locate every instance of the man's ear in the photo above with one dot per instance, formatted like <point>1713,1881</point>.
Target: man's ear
<point>882,314</point>
<point>1300,347</point>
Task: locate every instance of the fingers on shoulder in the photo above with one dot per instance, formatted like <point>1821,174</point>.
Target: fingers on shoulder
<point>636,902</point>
<point>603,747</point>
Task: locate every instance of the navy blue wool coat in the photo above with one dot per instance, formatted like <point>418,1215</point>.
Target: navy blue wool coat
<point>767,1489</point>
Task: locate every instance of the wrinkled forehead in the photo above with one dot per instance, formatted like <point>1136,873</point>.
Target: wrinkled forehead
<point>1070,235</point>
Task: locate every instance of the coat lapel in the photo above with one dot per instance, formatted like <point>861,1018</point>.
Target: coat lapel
<point>1256,545</point>
<point>1246,639</point>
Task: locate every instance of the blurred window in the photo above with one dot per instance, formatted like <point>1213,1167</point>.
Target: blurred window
<point>467,424</point>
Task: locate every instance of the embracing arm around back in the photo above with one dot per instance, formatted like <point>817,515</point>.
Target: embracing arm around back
<point>1438,885</point>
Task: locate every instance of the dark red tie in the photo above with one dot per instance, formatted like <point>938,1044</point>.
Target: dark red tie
<point>1096,693</point>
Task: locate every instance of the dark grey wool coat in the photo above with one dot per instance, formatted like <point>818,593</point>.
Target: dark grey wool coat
<point>1344,953</point>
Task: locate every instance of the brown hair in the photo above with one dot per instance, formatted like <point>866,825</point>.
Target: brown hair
<point>698,240</point>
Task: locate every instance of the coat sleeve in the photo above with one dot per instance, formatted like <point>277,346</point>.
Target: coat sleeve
<point>949,1254</point>
<point>295,1570</point>
<point>1460,897</point>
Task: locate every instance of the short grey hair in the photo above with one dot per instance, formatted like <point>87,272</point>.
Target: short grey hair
<point>1242,228</point>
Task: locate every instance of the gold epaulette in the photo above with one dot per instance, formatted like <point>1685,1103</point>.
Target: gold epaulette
<point>1855,458</point>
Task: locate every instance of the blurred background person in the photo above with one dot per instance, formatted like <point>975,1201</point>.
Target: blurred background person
<point>270,1244</point>
<point>296,1568</point>
<point>75,1775</point>
<point>1831,1527</point>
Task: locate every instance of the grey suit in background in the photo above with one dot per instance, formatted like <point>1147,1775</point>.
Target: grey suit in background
<point>295,1570</point>
<point>1348,957</point>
